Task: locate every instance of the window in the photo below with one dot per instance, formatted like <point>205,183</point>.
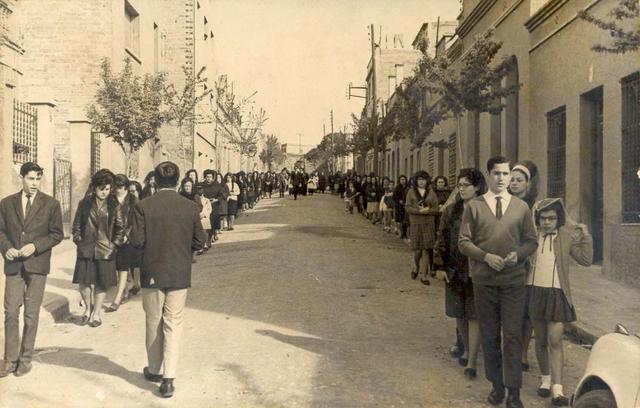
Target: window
<point>431,160</point>
<point>392,85</point>
<point>452,159</point>
<point>418,160</point>
<point>399,74</point>
<point>631,148</point>
<point>95,152</point>
<point>556,157</point>
<point>132,28</point>
<point>411,164</point>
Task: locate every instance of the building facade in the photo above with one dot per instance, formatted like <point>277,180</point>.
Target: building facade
<point>575,115</point>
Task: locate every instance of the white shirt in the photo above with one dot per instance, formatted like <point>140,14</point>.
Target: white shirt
<point>490,198</point>
<point>24,202</point>
<point>545,270</point>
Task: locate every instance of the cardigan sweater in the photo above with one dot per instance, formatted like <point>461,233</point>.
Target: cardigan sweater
<point>481,233</point>
<point>413,203</point>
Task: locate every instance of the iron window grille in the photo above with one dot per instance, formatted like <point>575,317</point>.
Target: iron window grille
<point>631,148</point>
<point>556,152</point>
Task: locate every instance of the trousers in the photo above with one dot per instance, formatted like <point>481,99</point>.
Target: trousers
<point>28,289</point>
<point>499,309</point>
<point>164,312</point>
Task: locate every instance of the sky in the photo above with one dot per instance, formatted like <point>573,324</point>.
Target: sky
<point>300,55</point>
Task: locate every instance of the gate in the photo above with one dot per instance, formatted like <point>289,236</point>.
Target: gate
<point>62,187</point>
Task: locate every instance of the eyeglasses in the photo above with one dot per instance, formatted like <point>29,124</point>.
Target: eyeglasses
<point>463,185</point>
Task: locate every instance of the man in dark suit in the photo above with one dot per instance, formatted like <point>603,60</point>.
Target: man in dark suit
<point>30,225</point>
<point>167,226</point>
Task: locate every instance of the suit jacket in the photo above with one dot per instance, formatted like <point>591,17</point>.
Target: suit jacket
<point>167,226</point>
<point>42,227</point>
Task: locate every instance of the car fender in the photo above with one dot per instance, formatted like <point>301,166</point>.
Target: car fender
<point>614,363</point>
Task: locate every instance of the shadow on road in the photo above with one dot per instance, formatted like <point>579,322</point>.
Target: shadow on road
<point>83,359</point>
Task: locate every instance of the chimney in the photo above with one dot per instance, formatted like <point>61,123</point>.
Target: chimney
<point>397,41</point>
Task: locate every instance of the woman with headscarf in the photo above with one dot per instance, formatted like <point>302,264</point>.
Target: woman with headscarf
<point>98,230</point>
<point>459,301</point>
<point>550,305</point>
<point>422,207</point>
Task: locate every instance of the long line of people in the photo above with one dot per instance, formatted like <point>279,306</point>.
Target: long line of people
<point>504,259</point>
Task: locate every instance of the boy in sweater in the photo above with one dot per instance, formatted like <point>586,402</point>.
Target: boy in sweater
<point>497,235</point>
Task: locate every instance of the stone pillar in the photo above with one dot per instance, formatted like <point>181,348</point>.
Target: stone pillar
<point>46,138</point>
<point>80,139</point>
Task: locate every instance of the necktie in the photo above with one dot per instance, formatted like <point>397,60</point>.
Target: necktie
<point>498,207</point>
<point>28,207</point>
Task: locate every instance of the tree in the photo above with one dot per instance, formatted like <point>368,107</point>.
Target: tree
<point>239,123</point>
<point>271,152</point>
<point>127,108</point>
<point>625,37</point>
<point>182,106</point>
<point>409,117</point>
<point>475,86</point>
<point>364,128</point>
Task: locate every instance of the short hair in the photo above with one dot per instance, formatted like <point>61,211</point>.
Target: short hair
<point>28,167</point>
<point>422,174</point>
<point>207,172</point>
<point>491,163</point>
<point>475,177</point>
<point>167,174</point>
<point>102,177</point>
<point>446,182</point>
<point>120,180</point>
<point>555,206</point>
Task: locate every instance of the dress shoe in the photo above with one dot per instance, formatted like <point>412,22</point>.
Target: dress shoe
<point>151,377</point>
<point>560,401</point>
<point>525,366</point>
<point>23,369</point>
<point>7,368</point>
<point>496,396</point>
<point>544,392</point>
<point>167,388</point>
<point>513,401</point>
<point>463,361</point>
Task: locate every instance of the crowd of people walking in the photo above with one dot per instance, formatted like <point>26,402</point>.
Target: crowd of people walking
<point>504,258</point>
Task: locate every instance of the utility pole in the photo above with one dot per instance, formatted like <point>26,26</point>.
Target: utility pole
<point>332,144</point>
<point>374,100</point>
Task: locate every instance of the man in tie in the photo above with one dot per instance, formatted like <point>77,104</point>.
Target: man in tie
<point>30,225</point>
<point>167,226</point>
<point>497,234</point>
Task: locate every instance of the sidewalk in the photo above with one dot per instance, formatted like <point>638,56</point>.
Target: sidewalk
<point>599,302</point>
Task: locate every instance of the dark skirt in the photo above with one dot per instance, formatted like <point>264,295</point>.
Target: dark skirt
<point>399,214</point>
<point>458,300</point>
<point>95,272</point>
<point>215,216</point>
<point>232,207</point>
<point>128,257</point>
<point>549,304</point>
<point>223,207</point>
<point>422,236</point>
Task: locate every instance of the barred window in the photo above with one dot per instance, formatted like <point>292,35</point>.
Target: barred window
<point>452,158</point>
<point>631,148</point>
<point>431,160</point>
<point>25,133</point>
<point>95,152</point>
<point>556,152</point>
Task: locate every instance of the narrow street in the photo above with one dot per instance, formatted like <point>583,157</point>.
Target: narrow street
<point>302,305</point>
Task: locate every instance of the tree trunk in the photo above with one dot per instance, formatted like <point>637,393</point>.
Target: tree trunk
<point>459,139</point>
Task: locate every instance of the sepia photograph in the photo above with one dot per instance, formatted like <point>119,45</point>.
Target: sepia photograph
<point>320,203</point>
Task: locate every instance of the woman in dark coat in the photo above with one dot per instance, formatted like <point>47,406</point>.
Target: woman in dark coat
<point>222,194</point>
<point>459,301</point>
<point>98,229</point>
<point>127,257</point>
<point>188,191</point>
<point>399,197</point>
<point>441,187</point>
